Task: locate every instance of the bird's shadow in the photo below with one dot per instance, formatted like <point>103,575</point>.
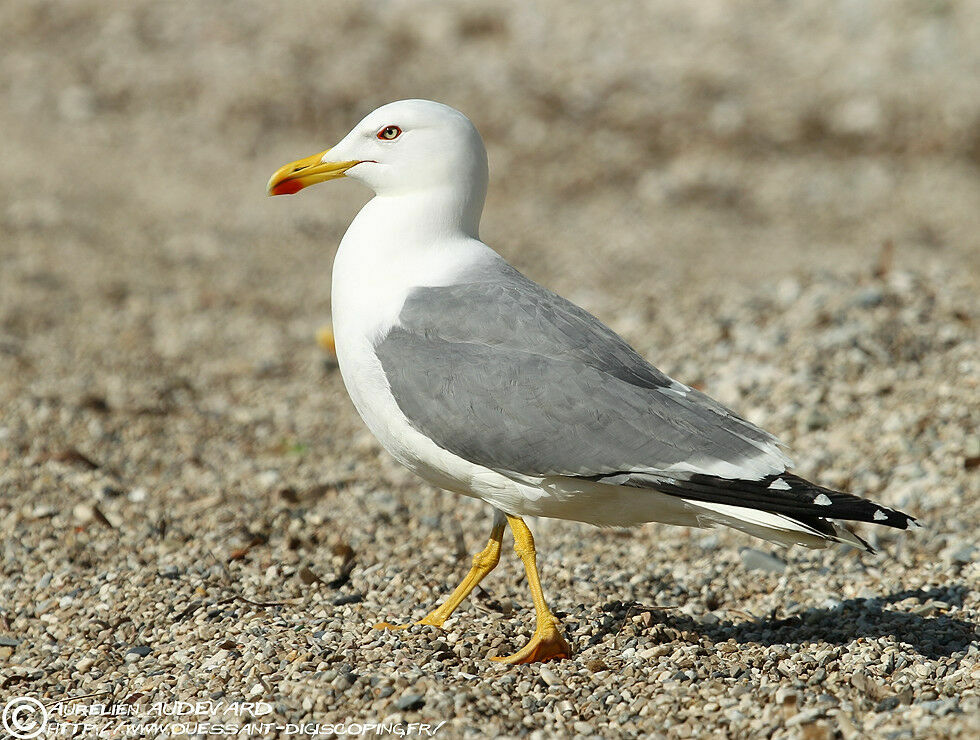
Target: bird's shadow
<point>930,636</point>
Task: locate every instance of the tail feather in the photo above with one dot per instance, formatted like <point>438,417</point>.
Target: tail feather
<point>778,528</point>
<point>781,507</point>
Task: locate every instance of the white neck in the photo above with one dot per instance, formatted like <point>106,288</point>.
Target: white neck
<point>396,243</point>
<point>427,215</point>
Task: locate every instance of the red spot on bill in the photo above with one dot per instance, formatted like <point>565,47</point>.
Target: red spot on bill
<point>287,187</point>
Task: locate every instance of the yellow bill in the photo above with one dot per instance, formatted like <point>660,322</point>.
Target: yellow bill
<point>295,176</point>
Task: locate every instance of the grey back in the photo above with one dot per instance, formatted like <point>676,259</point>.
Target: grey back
<point>511,376</point>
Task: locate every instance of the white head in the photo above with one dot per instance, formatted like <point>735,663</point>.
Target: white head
<point>405,147</point>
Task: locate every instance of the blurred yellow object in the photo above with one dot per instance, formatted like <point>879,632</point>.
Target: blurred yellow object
<point>324,337</point>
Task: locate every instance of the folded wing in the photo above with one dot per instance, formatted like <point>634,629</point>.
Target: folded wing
<point>510,376</point>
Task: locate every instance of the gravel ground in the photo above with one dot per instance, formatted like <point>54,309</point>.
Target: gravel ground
<point>191,510</point>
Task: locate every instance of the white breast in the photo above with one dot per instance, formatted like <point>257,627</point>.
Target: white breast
<point>376,267</point>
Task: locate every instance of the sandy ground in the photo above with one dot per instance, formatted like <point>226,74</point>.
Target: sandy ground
<point>777,203</point>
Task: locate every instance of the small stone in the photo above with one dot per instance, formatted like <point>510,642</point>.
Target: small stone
<point>805,718</point>
<point>963,555</point>
<point>869,297</point>
<point>787,696</point>
<point>549,676</point>
<point>888,703</point>
<point>817,419</point>
<point>754,559</point>
<point>408,702</point>
<point>84,513</point>
<point>267,478</point>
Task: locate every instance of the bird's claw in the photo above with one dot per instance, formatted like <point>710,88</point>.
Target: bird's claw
<point>545,644</point>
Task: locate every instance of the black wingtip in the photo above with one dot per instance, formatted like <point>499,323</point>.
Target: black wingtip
<point>831,504</point>
<point>781,493</point>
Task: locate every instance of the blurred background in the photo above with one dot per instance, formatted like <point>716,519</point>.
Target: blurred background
<point>777,201</point>
<point>672,141</point>
<point>640,155</point>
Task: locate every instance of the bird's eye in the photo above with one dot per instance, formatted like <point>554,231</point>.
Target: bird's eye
<point>389,132</point>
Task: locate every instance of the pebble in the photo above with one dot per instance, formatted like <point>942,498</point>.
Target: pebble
<point>754,559</point>
<point>268,478</point>
<point>138,651</point>
<point>805,717</point>
<point>549,676</point>
<point>410,702</point>
<point>964,555</point>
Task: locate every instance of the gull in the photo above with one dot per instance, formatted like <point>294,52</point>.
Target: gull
<point>486,384</point>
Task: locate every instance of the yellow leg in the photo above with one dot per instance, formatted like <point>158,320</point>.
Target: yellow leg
<point>483,562</point>
<point>546,642</point>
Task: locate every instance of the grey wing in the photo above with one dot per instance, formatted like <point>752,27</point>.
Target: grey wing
<point>510,376</point>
